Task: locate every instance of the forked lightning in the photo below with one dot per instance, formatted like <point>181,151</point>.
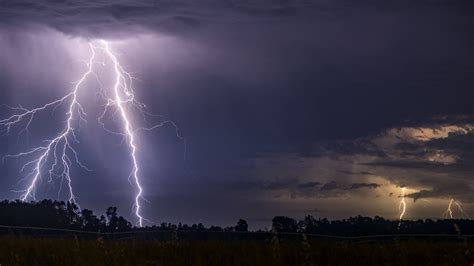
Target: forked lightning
<point>449,211</point>
<point>57,155</point>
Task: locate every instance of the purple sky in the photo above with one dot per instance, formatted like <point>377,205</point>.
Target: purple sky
<point>288,107</point>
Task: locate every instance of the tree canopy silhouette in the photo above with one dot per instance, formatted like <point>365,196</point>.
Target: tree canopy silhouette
<point>65,215</point>
<point>62,215</point>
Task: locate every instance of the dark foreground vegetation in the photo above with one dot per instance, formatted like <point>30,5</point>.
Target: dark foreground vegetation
<point>14,251</point>
<point>58,233</point>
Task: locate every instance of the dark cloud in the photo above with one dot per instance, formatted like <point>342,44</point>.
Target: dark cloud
<point>454,189</point>
<point>330,186</point>
<point>364,185</point>
<point>426,165</point>
<point>333,185</point>
<point>309,185</point>
<point>120,18</point>
<point>293,187</point>
<point>355,173</point>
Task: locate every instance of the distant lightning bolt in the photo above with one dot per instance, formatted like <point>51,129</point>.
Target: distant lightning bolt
<point>60,149</point>
<point>402,206</point>
<point>449,212</point>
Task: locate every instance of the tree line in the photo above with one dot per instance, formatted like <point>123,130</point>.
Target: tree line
<point>66,215</point>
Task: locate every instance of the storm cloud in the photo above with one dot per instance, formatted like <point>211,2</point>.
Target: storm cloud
<point>286,106</point>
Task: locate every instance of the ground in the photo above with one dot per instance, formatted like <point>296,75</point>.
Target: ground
<point>21,251</point>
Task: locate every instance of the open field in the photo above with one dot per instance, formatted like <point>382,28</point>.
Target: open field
<point>17,251</point>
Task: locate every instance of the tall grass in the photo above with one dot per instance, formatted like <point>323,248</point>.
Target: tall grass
<point>17,251</point>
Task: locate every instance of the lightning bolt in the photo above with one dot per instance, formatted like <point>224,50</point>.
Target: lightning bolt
<point>59,153</point>
<point>449,212</point>
<point>121,87</point>
<point>402,206</point>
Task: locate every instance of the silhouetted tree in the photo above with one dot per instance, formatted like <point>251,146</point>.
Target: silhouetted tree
<point>216,229</point>
<point>114,222</point>
<point>242,226</point>
<point>284,224</point>
<point>308,225</point>
<point>90,222</point>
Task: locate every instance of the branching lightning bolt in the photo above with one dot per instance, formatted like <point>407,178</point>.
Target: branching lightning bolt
<point>449,211</point>
<point>60,147</point>
<point>59,153</point>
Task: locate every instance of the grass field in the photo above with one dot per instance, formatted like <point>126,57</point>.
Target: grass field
<point>15,251</point>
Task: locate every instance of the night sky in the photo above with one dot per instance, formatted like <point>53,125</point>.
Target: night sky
<point>324,107</point>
